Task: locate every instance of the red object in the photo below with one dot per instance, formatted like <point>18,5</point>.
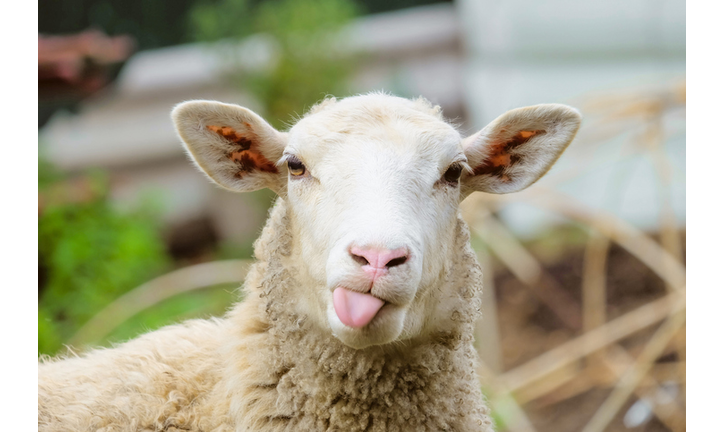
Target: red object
<point>78,65</point>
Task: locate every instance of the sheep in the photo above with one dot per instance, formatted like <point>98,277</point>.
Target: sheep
<point>359,312</point>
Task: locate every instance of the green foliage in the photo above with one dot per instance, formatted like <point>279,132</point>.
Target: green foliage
<point>203,303</point>
<point>211,21</point>
<point>310,59</point>
<point>89,253</point>
<point>48,174</point>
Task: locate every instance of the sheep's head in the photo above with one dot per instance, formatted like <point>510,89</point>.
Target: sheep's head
<point>372,184</point>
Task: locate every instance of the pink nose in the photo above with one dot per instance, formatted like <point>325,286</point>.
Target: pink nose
<point>379,258</point>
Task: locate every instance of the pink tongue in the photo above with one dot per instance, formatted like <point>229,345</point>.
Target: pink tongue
<point>355,309</point>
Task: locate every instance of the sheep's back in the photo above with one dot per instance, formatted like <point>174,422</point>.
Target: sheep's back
<point>163,380</point>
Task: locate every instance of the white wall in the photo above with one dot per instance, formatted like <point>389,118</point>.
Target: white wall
<point>525,52</point>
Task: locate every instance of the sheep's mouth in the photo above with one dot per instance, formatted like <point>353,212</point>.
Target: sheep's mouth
<point>355,309</point>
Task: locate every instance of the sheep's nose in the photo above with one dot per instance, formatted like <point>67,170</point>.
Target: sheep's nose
<point>379,258</point>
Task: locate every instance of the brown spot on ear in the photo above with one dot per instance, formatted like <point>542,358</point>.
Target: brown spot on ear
<point>249,161</point>
<point>521,137</point>
<point>500,157</point>
<point>245,155</point>
<point>232,136</point>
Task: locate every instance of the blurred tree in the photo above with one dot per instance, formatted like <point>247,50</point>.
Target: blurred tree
<point>152,24</point>
<point>378,6</point>
<point>310,61</point>
<point>155,24</point>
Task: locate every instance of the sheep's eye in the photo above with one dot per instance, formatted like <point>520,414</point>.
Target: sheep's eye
<point>296,167</point>
<point>452,175</point>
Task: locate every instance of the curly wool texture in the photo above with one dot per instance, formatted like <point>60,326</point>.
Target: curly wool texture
<point>264,368</point>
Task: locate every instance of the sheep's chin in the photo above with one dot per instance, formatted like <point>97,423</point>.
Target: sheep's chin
<point>384,328</point>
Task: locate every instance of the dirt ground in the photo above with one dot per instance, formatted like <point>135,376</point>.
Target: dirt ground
<point>529,328</point>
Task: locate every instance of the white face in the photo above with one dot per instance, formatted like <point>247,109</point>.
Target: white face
<point>373,206</point>
<point>372,185</point>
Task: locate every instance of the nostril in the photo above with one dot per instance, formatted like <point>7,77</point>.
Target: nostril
<point>394,258</point>
<point>379,258</point>
<point>396,261</point>
<point>360,259</point>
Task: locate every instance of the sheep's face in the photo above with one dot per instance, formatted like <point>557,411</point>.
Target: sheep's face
<point>378,186</point>
<point>372,185</point>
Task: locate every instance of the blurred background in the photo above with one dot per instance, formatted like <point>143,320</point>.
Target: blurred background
<point>584,319</point>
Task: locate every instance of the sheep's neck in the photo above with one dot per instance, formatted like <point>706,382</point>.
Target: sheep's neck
<point>295,375</point>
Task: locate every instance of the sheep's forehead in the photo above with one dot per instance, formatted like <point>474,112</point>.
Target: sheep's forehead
<point>373,124</point>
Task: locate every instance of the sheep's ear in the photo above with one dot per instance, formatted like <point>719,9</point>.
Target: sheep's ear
<point>235,147</point>
<point>518,147</point>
